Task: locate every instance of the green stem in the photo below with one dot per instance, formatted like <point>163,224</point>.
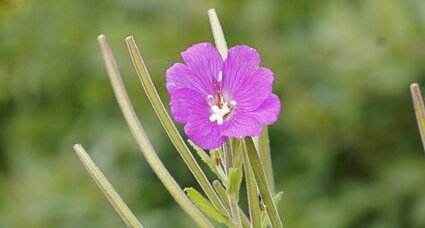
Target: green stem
<point>233,201</point>
<point>108,190</point>
<point>142,139</point>
<point>418,102</point>
<point>220,41</point>
<point>228,156</point>
<point>261,180</point>
<point>169,126</point>
<point>266,159</point>
<point>223,195</point>
<point>252,192</point>
<point>234,208</point>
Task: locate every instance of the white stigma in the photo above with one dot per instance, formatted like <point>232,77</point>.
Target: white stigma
<point>218,113</point>
<point>220,76</point>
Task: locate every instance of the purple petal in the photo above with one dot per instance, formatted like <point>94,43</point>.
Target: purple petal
<point>203,64</point>
<point>244,81</point>
<point>187,104</point>
<point>269,110</point>
<point>241,125</point>
<point>205,134</point>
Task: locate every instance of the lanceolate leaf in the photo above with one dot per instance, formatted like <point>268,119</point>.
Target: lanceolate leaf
<point>205,206</point>
<point>278,197</point>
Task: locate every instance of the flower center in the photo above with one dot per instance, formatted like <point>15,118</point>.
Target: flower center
<point>221,110</point>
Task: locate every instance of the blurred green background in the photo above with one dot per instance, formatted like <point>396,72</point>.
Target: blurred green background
<point>346,149</point>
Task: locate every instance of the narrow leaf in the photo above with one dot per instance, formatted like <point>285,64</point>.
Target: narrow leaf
<point>278,197</point>
<point>106,188</point>
<point>205,206</point>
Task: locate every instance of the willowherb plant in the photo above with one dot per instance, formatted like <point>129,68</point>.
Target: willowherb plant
<point>224,98</point>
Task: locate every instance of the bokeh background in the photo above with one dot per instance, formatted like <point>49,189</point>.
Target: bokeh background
<point>346,149</point>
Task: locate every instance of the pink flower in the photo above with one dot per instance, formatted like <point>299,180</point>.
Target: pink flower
<point>217,99</point>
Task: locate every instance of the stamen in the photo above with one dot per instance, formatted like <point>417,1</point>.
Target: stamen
<point>220,121</point>
<point>220,76</point>
<point>218,113</point>
<point>233,102</point>
<point>215,109</point>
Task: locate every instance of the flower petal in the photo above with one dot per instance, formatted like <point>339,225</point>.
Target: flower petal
<point>203,64</point>
<point>243,80</point>
<point>241,125</point>
<point>188,104</point>
<point>205,134</point>
<point>269,110</point>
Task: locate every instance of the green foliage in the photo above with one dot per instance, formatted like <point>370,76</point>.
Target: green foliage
<point>205,206</point>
